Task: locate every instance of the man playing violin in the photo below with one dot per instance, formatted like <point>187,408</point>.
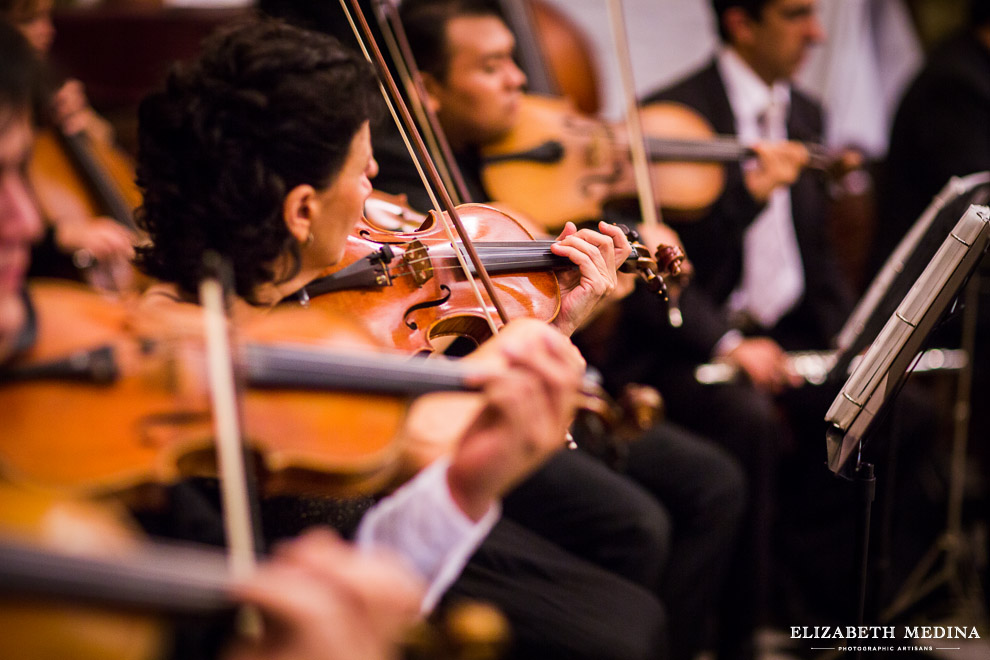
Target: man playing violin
<point>20,224</point>
<point>73,231</point>
<point>765,281</point>
<point>321,599</point>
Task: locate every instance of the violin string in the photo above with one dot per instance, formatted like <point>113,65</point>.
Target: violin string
<point>522,264</point>
<point>662,149</point>
<point>528,253</point>
<point>507,256</point>
<point>332,368</point>
<point>535,259</point>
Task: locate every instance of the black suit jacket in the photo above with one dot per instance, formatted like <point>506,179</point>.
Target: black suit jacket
<point>714,242</point>
<point>941,129</point>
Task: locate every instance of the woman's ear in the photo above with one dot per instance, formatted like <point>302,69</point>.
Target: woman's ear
<point>297,211</point>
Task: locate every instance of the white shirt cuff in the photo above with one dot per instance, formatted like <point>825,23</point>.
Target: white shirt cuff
<point>423,524</point>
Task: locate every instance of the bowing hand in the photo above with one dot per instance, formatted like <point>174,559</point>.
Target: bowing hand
<point>528,407</point>
<point>322,599</point>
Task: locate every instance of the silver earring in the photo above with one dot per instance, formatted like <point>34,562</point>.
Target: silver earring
<point>309,240</point>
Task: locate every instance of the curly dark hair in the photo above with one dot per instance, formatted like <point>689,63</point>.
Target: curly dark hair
<point>267,107</point>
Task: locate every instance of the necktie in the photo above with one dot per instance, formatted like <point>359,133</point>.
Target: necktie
<point>773,276</point>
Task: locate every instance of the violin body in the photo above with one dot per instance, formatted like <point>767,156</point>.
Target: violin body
<point>558,165</point>
<point>685,185</point>
<point>78,180</point>
<point>141,415</point>
<point>53,162</point>
<point>553,51</point>
<point>421,294</point>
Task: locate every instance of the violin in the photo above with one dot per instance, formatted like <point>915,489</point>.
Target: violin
<point>100,176</point>
<point>80,180</point>
<point>77,580</point>
<point>559,165</point>
<point>554,53</point>
<point>418,292</point>
<point>54,548</point>
<point>100,407</point>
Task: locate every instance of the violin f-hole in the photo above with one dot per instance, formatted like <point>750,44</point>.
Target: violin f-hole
<point>425,305</point>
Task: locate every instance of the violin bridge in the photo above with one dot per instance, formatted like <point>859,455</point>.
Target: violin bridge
<point>417,258</point>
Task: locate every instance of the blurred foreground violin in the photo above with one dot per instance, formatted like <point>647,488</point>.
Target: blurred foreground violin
<point>77,581</point>
<point>96,408</point>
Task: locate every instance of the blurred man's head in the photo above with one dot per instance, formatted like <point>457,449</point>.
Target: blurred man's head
<point>464,50</point>
<point>33,19</point>
<point>773,36</point>
<point>20,224</point>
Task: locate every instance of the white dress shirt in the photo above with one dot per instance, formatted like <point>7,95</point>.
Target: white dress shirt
<point>773,275</point>
<point>423,524</point>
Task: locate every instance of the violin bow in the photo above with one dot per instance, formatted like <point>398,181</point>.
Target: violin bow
<point>397,42</point>
<point>239,514</point>
<point>424,164</point>
<point>649,209</point>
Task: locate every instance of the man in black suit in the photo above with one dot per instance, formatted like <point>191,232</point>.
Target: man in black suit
<point>941,129</point>
<point>765,279</point>
<point>744,91</point>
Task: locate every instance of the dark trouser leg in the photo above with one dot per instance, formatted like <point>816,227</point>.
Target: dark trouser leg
<point>584,507</point>
<point>561,606</point>
<point>704,489</point>
<point>746,423</point>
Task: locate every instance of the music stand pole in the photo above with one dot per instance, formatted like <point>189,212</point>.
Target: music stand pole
<point>950,548</point>
<point>866,486</point>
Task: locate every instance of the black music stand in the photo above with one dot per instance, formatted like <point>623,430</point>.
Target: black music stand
<point>877,378</point>
<point>904,266</point>
<point>874,383</point>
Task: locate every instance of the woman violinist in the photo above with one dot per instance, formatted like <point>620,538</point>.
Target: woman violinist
<point>78,228</point>
<point>260,151</point>
<point>321,599</point>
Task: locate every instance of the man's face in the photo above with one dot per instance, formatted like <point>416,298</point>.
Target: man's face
<point>36,25</point>
<point>20,224</point>
<point>776,44</point>
<point>478,102</point>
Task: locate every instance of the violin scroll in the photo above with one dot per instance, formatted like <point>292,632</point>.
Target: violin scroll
<point>654,269</point>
